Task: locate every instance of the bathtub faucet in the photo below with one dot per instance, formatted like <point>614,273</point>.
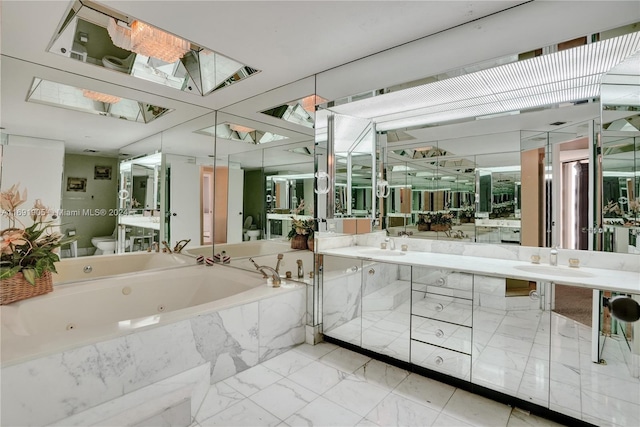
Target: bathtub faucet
<point>180,245</point>
<point>275,276</point>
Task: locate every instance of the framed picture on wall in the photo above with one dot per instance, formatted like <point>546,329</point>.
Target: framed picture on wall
<point>102,172</point>
<point>76,184</point>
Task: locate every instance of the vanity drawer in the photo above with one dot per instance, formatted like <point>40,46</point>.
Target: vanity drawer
<point>443,282</point>
<point>441,360</point>
<point>440,307</point>
<point>443,334</point>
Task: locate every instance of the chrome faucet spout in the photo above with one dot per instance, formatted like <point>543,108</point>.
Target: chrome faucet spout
<point>166,248</point>
<point>391,243</point>
<point>300,269</point>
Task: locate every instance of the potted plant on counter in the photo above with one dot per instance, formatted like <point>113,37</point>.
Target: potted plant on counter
<point>467,214</point>
<point>27,254</point>
<point>424,222</point>
<point>441,221</point>
<point>302,230</point>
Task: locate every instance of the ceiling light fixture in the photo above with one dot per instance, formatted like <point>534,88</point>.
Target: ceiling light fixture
<point>147,40</point>
<point>101,97</point>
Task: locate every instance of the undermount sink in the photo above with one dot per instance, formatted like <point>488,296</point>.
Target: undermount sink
<point>380,252</point>
<point>553,270</point>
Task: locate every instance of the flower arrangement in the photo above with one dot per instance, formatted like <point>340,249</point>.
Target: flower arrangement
<point>27,250</point>
<point>304,227</point>
<point>442,218</point>
<point>424,222</point>
<point>468,211</point>
<point>612,209</point>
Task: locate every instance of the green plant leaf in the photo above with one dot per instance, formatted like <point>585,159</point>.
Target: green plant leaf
<point>30,275</point>
<point>5,272</point>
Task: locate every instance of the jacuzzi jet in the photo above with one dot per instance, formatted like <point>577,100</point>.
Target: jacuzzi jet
<point>126,290</point>
<point>87,269</point>
<point>71,326</point>
<point>161,307</point>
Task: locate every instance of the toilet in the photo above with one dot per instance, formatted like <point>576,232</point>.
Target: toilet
<point>122,65</point>
<point>105,245</point>
<point>249,231</point>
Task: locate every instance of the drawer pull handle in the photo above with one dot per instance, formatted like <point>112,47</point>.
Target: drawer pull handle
<point>534,295</point>
<point>372,272</point>
<point>439,307</point>
<point>440,282</point>
<point>439,333</point>
<point>439,360</point>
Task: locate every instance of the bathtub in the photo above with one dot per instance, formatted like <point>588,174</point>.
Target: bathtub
<point>244,249</point>
<point>89,342</point>
<point>95,267</point>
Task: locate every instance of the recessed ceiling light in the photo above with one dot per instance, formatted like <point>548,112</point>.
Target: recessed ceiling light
<point>89,150</point>
<point>557,123</point>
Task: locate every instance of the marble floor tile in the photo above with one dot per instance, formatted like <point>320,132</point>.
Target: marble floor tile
<point>318,377</point>
<point>381,374</point>
<point>426,391</point>
<point>477,410</point>
<point>253,380</point>
<point>284,398</point>
<point>445,420</point>
<point>244,413</point>
<point>396,410</point>
<point>323,412</point>
<point>524,419</point>
<point>315,351</point>
<point>357,395</point>
<point>288,362</point>
<point>345,360</point>
<point>219,397</point>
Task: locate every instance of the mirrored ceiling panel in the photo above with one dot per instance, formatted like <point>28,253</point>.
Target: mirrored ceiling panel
<point>237,132</point>
<point>300,111</point>
<point>89,101</point>
<point>94,34</point>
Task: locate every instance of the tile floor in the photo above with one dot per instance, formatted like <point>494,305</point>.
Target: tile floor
<point>326,385</point>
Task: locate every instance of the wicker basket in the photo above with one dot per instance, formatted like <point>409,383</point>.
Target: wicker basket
<point>299,241</point>
<point>310,244</point>
<point>17,288</point>
<point>440,227</point>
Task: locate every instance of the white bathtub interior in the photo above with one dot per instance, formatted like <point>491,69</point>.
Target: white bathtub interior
<point>87,268</point>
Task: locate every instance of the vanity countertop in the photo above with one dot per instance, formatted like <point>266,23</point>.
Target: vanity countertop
<point>595,278</point>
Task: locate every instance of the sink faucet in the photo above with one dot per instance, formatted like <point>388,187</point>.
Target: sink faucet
<point>553,256</point>
<point>280,256</point>
<point>300,269</point>
<point>180,245</point>
<point>167,248</point>
<point>391,243</point>
<point>275,276</point>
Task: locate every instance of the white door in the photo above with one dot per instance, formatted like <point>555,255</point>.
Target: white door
<point>184,208</point>
<point>235,217</point>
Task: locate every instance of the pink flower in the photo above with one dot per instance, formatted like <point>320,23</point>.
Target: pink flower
<point>12,237</point>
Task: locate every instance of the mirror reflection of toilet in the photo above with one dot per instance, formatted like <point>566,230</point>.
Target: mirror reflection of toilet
<point>122,65</point>
<point>249,230</point>
<point>105,245</point>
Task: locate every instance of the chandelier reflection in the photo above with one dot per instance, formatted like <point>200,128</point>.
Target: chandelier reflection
<point>101,97</point>
<point>147,40</point>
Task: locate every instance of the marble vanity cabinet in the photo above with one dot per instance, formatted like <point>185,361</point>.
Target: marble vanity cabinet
<point>366,304</point>
<point>441,320</point>
<point>511,339</point>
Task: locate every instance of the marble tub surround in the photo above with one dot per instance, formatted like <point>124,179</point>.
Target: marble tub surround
<point>229,340</point>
